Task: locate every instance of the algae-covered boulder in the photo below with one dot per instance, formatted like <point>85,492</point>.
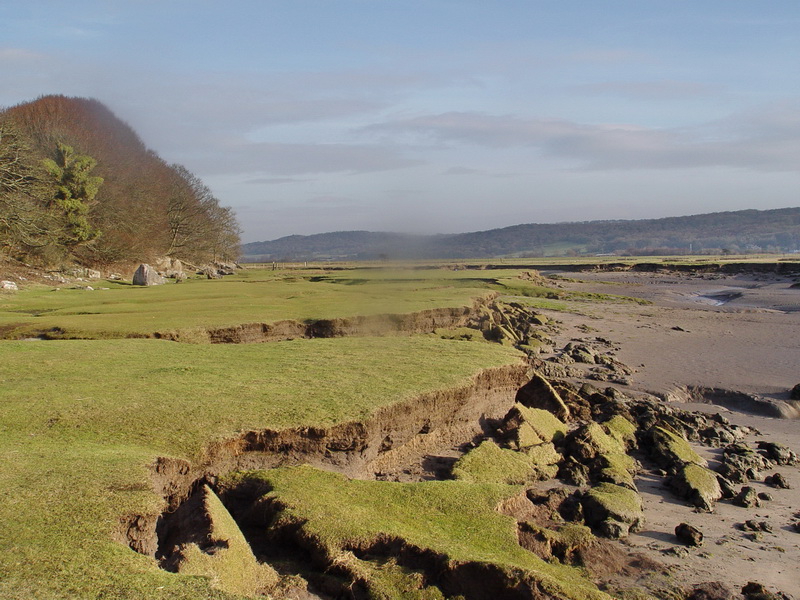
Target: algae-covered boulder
<point>538,393</point>
<point>698,485</point>
<point>622,430</point>
<point>613,510</point>
<point>671,450</point>
<point>604,455</point>
<point>489,463</point>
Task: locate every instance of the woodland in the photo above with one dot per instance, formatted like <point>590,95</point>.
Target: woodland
<point>78,185</point>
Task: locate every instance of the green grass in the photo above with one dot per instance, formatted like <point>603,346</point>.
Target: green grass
<point>456,520</point>
<point>262,296</point>
<point>248,297</point>
<point>488,463</point>
<point>80,421</point>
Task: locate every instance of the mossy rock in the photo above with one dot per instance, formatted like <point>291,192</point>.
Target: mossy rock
<point>622,430</point>
<point>671,450</point>
<point>489,463</point>
<point>604,455</point>
<point>698,485</point>
<point>606,505</point>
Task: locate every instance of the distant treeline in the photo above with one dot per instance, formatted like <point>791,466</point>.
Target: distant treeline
<point>713,233</point>
<point>77,184</point>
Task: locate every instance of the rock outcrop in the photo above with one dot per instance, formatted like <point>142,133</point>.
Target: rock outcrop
<point>147,275</point>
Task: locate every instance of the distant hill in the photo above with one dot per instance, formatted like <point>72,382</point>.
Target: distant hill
<point>77,183</point>
<point>739,231</point>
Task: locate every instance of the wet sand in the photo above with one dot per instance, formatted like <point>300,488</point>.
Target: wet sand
<point>735,333</point>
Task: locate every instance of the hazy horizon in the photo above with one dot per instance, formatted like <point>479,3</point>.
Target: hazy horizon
<point>316,116</point>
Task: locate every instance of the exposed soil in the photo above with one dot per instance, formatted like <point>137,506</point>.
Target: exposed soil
<point>426,321</point>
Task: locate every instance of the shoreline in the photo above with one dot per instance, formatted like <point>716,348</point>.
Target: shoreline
<point>748,346</point>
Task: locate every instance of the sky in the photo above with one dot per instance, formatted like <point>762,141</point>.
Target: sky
<point>437,116</point>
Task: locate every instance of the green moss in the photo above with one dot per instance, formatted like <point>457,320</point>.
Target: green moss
<point>673,448</point>
<point>621,504</point>
<point>621,429</point>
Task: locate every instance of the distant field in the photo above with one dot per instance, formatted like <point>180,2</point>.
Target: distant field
<point>252,296</point>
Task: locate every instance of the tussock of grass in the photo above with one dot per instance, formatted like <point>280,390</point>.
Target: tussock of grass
<point>232,567</point>
<point>547,426</point>
<point>454,519</point>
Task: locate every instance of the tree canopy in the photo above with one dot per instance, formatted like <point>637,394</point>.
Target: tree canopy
<point>77,183</point>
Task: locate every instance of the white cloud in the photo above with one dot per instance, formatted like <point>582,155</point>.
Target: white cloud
<point>765,139</point>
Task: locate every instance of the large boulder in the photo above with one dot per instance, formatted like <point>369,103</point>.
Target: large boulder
<point>147,275</point>
<point>613,510</point>
<point>698,485</point>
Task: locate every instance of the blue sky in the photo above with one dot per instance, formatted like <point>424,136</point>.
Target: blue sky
<point>309,116</point>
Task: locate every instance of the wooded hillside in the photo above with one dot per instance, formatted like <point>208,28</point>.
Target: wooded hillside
<point>713,233</point>
<point>77,184</point>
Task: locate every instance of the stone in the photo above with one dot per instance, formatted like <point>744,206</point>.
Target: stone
<point>753,525</point>
<point>778,453</point>
<point>747,498</point>
<point>9,285</point>
<point>713,590</point>
<point>677,551</point>
<point>777,480</point>
<point>698,485</point>
<point>766,496</point>
<point>795,393</point>
<point>209,272</point>
<point>740,463</point>
<point>689,535</point>
<point>757,591</point>
<point>146,275</point>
